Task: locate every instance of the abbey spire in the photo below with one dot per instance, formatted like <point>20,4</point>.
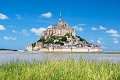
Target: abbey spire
<point>60,18</point>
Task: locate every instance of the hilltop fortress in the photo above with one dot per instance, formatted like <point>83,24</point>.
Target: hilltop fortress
<point>61,37</point>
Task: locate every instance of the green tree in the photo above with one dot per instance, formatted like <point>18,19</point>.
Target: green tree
<point>78,36</point>
<point>57,42</point>
<point>50,40</point>
<point>68,34</point>
<point>33,45</point>
<point>61,43</point>
<point>64,38</point>
<point>73,37</point>
<point>42,39</point>
<point>54,37</point>
<point>81,39</point>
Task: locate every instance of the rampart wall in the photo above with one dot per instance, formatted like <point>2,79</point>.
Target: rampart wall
<point>71,49</point>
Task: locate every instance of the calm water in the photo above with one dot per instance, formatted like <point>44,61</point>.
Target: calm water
<point>30,56</point>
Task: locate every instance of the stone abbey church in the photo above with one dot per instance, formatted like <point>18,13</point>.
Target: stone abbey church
<point>60,29</point>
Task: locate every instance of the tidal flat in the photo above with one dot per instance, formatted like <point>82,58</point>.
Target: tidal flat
<point>39,56</point>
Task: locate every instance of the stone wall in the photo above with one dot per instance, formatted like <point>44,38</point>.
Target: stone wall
<point>71,49</point>
<point>44,49</point>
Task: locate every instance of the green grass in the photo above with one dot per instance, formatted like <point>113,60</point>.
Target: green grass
<point>59,70</point>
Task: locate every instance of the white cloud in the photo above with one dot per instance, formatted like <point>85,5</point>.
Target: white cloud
<point>81,29</point>
<point>50,26</point>
<point>104,47</point>
<point>82,24</point>
<point>93,28</point>
<point>9,38</point>
<point>100,38</point>
<point>115,47</point>
<point>3,17</point>
<point>78,28</point>
<point>24,32</point>
<point>115,35</point>
<point>112,31</point>
<point>102,28</point>
<point>115,41</point>
<point>14,31</point>
<point>37,31</point>
<point>75,27</point>
<point>91,40</point>
<point>47,15</point>
<point>2,27</point>
<point>18,16</point>
<point>98,41</point>
<point>40,30</point>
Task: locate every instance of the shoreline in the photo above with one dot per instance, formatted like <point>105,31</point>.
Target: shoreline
<point>63,52</point>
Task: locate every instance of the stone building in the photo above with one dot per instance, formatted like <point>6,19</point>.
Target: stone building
<point>28,47</point>
<point>60,29</point>
<point>37,46</point>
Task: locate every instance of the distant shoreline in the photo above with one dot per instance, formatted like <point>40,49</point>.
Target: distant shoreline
<point>85,52</point>
<point>55,52</point>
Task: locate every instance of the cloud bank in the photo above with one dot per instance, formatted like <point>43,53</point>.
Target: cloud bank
<point>78,28</point>
<point>37,31</point>
<point>24,32</point>
<point>113,33</point>
<point>9,38</point>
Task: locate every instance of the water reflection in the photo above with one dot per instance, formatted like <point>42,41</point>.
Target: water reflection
<point>30,56</point>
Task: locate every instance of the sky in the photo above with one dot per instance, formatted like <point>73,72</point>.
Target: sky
<point>97,21</point>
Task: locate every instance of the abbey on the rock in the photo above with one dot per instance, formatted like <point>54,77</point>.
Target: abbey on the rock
<point>61,37</point>
<point>60,29</point>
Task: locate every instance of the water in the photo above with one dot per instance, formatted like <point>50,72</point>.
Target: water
<point>30,56</point>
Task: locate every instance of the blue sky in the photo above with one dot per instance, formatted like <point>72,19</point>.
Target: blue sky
<point>97,21</point>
